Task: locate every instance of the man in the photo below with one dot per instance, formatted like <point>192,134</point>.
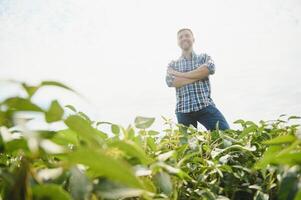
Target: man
<point>189,74</point>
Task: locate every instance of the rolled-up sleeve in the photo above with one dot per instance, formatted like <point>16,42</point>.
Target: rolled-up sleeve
<point>169,77</point>
<point>210,64</point>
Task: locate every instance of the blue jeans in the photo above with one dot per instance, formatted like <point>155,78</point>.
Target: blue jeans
<point>207,116</point>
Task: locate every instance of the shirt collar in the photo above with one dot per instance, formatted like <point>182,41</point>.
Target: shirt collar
<point>193,55</point>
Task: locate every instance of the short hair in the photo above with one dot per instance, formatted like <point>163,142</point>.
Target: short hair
<point>185,29</point>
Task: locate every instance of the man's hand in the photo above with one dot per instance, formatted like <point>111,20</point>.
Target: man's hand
<point>179,79</point>
<point>199,73</point>
<point>174,72</point>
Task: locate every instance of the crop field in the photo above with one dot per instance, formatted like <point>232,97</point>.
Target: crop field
<point>260,161</point>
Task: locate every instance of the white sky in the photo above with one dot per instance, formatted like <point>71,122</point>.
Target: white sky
<point>115,53</point>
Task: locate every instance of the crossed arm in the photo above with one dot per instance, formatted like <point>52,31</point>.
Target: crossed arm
<point>184,78</point>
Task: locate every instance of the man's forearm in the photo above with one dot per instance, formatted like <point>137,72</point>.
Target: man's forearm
<point>199,73</point>
<point>181,81</point>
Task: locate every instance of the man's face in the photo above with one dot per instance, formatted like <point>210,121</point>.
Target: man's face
<point>185,40</point>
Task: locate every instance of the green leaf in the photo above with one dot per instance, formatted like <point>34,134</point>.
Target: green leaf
<point>288,159</point>
<point>267,157</point>
<point>151,132</point>
<point>291,148</point>
<point>84,129</point>
<point>247,130</point>
<point>31,90</point>
<point>57,84</point>
<point>71,108</point>
<point>65,137</point>
<point>132,149</point>
<point>104,165</point>
<point>5,119</point>
<point>143,122</point>
<point>294,117</point>
<point>239,121</point>
<point>151,143</point>
<point>115,129</point>
<point>15,145</point>
<point>218,152</point>
<point>281,139</point>
<point>55,112</point>
<point>99,123</point>
<point>129,133</point>
<point>163,181</point>
<point>21,104</point>
<point>49,192</point>
<point>185,158</point>
<point>85,116</point>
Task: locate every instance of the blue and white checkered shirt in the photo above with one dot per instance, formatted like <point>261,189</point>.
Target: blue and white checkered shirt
<point>197,95</point>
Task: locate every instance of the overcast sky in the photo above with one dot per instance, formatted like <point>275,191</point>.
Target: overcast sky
<point>115,53</point>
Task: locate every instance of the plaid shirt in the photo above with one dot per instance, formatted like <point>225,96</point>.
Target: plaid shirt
<point>193,96</point>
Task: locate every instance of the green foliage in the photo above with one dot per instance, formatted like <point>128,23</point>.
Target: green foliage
<point>49,191</point>
<point>55,112</point>
<point>81,162</point>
